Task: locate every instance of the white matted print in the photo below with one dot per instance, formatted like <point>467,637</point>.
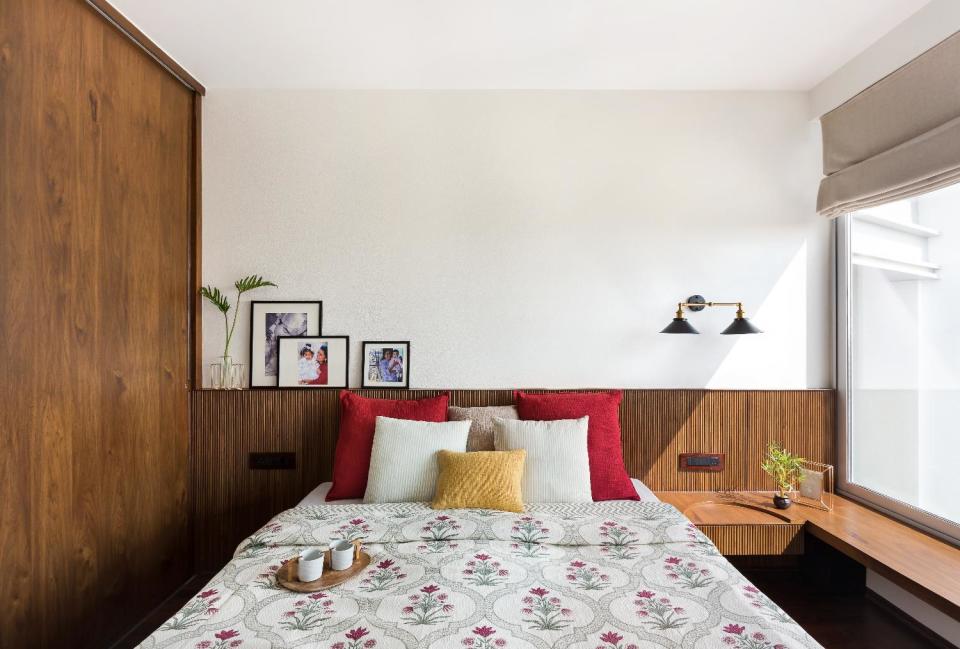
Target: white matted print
<point>269,321</point>
<point>313,361</point>
<point>386,364</point>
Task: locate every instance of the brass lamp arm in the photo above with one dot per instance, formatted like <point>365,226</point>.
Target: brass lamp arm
<point>698,306</point>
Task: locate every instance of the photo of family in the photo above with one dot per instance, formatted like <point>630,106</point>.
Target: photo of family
<point>312,368</point>
<point>269,322</point>
<point>313,361</point>
<point>387,364</point>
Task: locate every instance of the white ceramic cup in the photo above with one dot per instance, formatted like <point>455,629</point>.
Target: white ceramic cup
<point>341,555</point>
<point>310,565</point>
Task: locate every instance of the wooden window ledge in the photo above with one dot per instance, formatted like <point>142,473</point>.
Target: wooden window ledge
<point>918,562</point>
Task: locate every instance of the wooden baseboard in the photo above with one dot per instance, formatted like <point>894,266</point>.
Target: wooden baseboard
<point>904,618</point>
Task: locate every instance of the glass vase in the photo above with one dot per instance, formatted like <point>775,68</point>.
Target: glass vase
<point>222,373</point>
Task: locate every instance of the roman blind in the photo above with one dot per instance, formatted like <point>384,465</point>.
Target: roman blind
<point>898,138</point>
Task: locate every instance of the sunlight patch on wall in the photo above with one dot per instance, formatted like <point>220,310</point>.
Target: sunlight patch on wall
<point>780,352</point>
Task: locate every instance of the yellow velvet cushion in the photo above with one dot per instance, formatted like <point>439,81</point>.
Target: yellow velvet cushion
<point>480,480</point>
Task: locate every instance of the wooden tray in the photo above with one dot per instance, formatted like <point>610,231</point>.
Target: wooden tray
<point>287,574</point>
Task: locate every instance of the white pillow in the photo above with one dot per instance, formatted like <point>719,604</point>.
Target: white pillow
<point>557,468</point>
<point>403,461</point>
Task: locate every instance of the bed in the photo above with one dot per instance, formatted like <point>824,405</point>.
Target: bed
<point>597,575</point>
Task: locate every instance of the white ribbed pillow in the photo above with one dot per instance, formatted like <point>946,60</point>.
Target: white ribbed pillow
<point>557,469</point>
<point>403,461</point>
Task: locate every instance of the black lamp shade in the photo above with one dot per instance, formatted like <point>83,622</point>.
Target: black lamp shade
<point>679,326</point>
<point>741,326</point>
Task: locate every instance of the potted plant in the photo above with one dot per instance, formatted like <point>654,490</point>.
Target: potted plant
<point>786,469</point>
<point>213,295</point>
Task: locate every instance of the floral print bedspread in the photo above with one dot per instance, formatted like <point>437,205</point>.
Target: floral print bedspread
<point>608,575</point>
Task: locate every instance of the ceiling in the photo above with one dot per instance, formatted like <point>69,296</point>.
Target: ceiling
<point>557,44</point>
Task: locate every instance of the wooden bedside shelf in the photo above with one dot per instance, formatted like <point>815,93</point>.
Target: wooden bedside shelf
<point>747,523</point>
<point>740,524</point>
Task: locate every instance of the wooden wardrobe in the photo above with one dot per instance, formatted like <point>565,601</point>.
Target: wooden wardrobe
<point>98,225</point>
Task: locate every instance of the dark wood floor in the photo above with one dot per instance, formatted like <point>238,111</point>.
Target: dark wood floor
<point>824,593</point>
<point>848,620</point>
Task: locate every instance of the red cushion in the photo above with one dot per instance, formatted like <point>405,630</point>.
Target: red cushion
<point>358,417</point>
<point>608,475</point>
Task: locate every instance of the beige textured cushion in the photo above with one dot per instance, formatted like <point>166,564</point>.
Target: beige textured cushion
<point>403,461</point>
<point>557,468</point>
<point>481,430</point>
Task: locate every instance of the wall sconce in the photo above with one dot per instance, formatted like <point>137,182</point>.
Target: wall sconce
<point>680,325</point>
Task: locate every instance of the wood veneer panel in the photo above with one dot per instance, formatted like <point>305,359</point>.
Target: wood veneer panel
<point>96,142</point>
<point>755,540</point>
<point>920,563</point>
<point>657,426</point>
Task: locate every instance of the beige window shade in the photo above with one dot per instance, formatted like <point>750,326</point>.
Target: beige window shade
<point>898,138</point>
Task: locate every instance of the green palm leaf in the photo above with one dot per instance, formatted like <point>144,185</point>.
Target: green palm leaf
<point>251,282</point>
<point>216,298</point>
<point>219,300</point>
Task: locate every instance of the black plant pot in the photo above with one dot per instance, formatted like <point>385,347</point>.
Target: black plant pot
<point>781,502</point>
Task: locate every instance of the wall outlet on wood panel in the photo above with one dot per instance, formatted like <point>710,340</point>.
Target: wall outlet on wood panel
<point>701,461</point>
<point>271,461</point>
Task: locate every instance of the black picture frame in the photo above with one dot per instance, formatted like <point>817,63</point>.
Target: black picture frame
<point>365,379</point>
<point>258,359</point>
<point>345,384</point>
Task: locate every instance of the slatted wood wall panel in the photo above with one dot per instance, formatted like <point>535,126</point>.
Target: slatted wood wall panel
<point>755,540</point>
<point>231,501</point>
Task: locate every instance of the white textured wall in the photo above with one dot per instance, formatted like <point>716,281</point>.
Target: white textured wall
<point>529,238</point>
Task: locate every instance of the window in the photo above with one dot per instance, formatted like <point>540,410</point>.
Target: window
<point>899,358</point>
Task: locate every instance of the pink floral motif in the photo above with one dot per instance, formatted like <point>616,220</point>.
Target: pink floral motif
<point>586,577</point>
<point>738,637</point>
<point>617,540</point>
<point>268,578</point>
<point>699,543</point>
<point>201,607</point>
<point>436,547</point>
<point>688,575</point>
<point>383,576</point>
<point>484,638</point>
<point>658,612</point>
<point>528,534</point>
<point>356,528</point>
<point>224,638</point>
<point>429,606</point>
<point>308,613</point>
<point>262,540</point>
<point>766,606</point>
<point>441,528</point>
<point>484,570</point>
<point>613,640</point>
<point>544,613</point>
<point>355,640</point>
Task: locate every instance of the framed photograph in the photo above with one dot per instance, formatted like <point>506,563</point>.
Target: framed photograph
<point>386,364</point>
<point>313,361</point>
<point>270,321</point>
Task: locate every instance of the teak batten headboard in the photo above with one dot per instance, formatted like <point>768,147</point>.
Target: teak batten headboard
<point>230,500</point>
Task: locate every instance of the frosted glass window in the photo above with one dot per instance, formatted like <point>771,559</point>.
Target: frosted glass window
<point>903,372</point>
